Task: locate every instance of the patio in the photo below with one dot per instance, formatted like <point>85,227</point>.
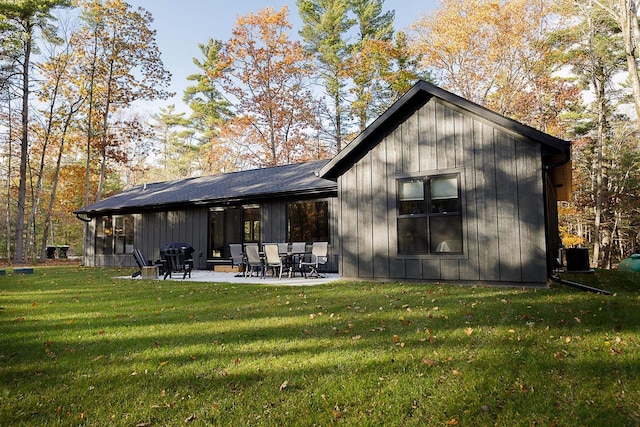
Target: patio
<point>231,277</point>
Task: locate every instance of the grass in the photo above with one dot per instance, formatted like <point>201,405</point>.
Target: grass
<point>78,347</point>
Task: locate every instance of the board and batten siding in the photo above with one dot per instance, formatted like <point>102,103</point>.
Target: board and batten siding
<point>152,230</point>
<point>189,225</point>
<point>502,201</point>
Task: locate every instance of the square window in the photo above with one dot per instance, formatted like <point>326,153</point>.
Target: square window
<point>432,224</point>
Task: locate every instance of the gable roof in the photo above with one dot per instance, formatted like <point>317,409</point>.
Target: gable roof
<point>291,180</point>
<point>413,99</point>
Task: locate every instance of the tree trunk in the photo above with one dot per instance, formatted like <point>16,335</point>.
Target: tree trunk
<point>90,119</point>
<point>73,109</point>
<point>629,26</point>
<point>105,128</point>
<point>9,169</point>
<point>599,81</point>
<point>18,257</point>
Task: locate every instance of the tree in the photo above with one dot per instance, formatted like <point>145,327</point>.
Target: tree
<point>61,103</point>
<point>209,109</point>
<point>594,50</point>
<point>625,14</point>
<point>483,50</point>
<point>123,65</point>
<point>369,57</point>
<point>24,18</point>
<point>268,76</point>
<point>325,26</point>
<point>177,155</point>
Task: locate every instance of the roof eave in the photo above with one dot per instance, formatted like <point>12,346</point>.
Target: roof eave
<point>329,191</point>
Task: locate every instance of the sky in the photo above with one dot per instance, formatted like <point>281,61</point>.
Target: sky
<point>182,25</point>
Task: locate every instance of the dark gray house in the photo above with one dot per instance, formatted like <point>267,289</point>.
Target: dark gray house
<point>441,189</point>
<point>284,203</point>
<point>437,188</point>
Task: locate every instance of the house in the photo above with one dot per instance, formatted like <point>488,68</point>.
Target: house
<point>284,203</point>
<point>437,188</point>
<point>441,189</point>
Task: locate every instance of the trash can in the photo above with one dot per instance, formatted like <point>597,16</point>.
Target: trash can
<point>51,252</point>
<point>577,259</point>
<point>630,264</point>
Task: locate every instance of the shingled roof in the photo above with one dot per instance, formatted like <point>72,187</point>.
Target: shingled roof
<point>291,180</point>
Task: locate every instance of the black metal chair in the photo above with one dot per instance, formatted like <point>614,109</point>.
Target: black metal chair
<point>176,261</point>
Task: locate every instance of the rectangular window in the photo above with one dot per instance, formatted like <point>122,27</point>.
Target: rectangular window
<point>308,221</point>
<point>225,227</point>
<point>251,221</point>
<point>429,215</point>
<point>114,234</point>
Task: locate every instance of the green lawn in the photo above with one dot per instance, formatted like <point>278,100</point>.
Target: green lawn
<point>78,347</point>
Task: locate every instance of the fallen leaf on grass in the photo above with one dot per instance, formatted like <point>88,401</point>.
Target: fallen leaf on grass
<point>190,418</point>
<point>468,331</point>
<point>356,337</point>
<point>337,413</point>
<point>284,385</point>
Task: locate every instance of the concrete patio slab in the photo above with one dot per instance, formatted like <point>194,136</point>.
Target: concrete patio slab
<point>224,277</point>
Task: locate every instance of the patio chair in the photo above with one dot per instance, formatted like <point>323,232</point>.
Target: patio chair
<point>273,259</point>
<point>298,250</point>
<point>176,261</point>
<point>141,261</point>
<point>253,261</point>
<point>283,248</point>
<point>237,256</point>
<point>318,257</point>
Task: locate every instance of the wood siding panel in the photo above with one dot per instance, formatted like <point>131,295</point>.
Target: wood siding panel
<point>487,210</point>
<point>397,267</point>
<point>410,143</point>
<point>445,138</point>
<point>365,217</point>
<point>428,134</point>
<point>431,269</point>
<point>349,222</point>
<point>507,208</point>
<point>531,208</point>
<point>449,269</point>
<point>380,210</point>
<point>469,267</point>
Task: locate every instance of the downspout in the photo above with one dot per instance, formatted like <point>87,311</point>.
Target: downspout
<point>580,286</point>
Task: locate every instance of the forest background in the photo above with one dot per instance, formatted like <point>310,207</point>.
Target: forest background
<point>72,74</point>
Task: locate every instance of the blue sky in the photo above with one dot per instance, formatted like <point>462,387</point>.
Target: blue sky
<point>181,25</point>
